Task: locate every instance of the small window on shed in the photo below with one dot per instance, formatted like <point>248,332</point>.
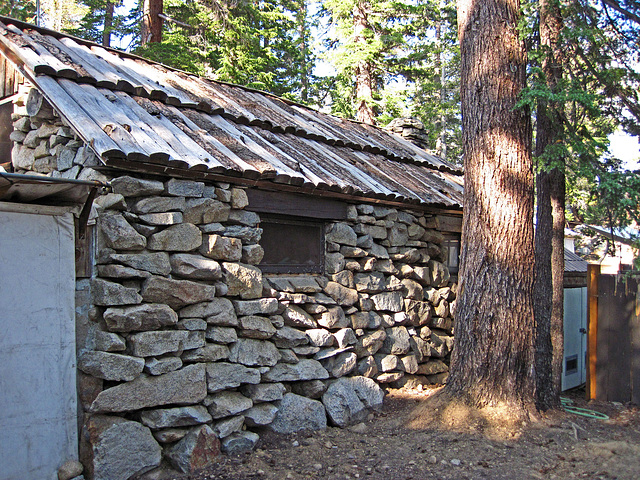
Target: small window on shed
<point>451,253</point>
<point>292,245</point>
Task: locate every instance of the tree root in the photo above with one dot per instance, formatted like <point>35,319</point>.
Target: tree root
<point>452,413</point>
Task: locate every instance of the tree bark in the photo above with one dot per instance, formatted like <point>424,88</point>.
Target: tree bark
<point>492,362</point>
<point>549,288</point>
<point>108,24</point>
<point>151,28</point>
<point>363,69</point>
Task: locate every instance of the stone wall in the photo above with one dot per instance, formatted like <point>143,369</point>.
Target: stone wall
<point>185,348</point>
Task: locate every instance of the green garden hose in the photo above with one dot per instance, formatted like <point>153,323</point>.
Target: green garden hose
<point>585,412</point>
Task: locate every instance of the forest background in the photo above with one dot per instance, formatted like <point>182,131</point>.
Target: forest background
<point>376,60</point>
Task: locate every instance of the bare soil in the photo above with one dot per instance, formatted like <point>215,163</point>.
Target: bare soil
<point>392,445</point>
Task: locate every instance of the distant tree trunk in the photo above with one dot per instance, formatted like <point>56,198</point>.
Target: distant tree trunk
<point>549,289</point>
<point>303,32</point>
<point>108,24</point>
<point>363,69</point>
<point>441,146</point>
<point>492,362</point>
<point>151,28</point>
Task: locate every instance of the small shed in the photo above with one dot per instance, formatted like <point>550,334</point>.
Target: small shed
<point>39,218</point>
<point>574,366</point>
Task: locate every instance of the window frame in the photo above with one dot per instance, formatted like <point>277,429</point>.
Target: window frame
<point>447,243</point>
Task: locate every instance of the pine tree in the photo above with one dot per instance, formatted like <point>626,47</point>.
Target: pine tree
<point>100,23</point>
<point>397,59</point>
<point>61,15</point>
<point>550,217</point>
<point>263,45</point>
<point>583,85</point>
<point>493,355</point>
<point>24,10</point>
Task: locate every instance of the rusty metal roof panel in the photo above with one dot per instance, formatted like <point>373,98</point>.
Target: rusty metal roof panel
<point>139,113</point>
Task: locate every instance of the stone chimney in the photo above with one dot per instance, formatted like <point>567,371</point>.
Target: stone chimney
<point>410,129</point>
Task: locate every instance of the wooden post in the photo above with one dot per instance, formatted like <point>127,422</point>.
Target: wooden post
<point>593,272</point>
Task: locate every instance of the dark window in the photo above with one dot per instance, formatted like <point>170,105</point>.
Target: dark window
<point>6,127</point>
<point>451,252</point>
<point>571,365</point>
<point>291,245</point>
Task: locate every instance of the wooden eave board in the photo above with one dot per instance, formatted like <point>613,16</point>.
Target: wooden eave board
<point>33,191</point>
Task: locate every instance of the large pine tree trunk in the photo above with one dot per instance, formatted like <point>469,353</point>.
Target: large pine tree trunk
<point>151,28</point>
<point>549,289</point>
<point>493,358</point>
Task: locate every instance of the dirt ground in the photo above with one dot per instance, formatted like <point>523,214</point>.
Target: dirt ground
<point>559,445</point>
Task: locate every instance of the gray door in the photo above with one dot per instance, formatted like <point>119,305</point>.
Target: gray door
<point>38,415</point>
<point>574,371</point>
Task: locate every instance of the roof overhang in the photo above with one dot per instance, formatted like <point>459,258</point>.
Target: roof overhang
<point>20,189</point>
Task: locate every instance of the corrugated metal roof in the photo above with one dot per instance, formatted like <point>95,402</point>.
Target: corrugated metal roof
<point>573,263</point>
<point>145,116</point>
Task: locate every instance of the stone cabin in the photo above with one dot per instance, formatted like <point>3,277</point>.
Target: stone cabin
<point>251,263</point>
